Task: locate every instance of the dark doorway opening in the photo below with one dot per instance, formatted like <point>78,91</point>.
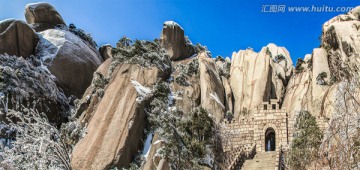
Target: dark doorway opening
<point>270,139</point>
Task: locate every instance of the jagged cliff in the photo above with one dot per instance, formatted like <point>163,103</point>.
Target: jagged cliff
<point>141,101</point>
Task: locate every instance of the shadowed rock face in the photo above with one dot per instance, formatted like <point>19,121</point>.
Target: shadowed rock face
<point>42,16</point>
<point>116,122</point>
<point>174,41</point>
<point>17,38</point>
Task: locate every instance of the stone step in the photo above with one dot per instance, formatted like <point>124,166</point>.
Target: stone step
<point>261,161</point>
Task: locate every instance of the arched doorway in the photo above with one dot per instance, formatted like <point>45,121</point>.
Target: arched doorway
<point>270,142</point>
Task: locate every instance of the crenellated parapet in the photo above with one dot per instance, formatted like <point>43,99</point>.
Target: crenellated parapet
<point>253,129</point>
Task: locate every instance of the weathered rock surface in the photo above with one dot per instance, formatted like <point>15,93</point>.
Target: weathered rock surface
<point>91,98</point>
<point>42,16</point>
<point>203,86</point>
<point>153,160</point>
<point>174,41</point>
<point>187,97</point>
<point>68,58</point>
<point>17,38</point>
<point>298,93</point>
<point>212,90</point>
<point>340,47</point>
<point>257,77</point>
<point>105,51</point>
<point>116,122</point>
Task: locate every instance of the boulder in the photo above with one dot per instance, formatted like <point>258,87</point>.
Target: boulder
<point>42,16</point>
<point>105,51</point>
<point>17,38</point>
<point>172,38</point>
<point>116,122</point>
<point>69,59</point>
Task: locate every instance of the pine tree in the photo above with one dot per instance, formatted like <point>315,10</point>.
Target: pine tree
<point>306,142</point>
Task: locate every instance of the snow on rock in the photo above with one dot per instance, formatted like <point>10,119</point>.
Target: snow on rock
<point>50,43</point>
<point>147,145</point>
<point>174,42</point>
<point>141,90</point>
<point>172,24</point>
<point>67,56</point>
<point>216,98</point>
<point>99,149</point>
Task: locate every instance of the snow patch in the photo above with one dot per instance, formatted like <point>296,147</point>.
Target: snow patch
<point>147,145</point>
<point>50,43</point>
<point>172,24</point>
<point>193,56</point>
<point>158,141</point>
<point>130,124</point>
<point>216,98</point>
<point>141,90</point>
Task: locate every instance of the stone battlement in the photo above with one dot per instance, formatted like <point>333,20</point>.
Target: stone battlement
<point>253,130</point>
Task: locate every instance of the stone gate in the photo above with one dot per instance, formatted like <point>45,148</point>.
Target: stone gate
<point>268,127</point>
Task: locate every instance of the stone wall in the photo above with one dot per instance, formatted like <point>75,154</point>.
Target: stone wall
<point>251,130</point>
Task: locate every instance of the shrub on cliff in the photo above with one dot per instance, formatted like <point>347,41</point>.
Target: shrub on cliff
<point>320,79</point>
<point>83,35</point>
<point>37,144</point>
<point>299,68</point>
<point>143,53</point>
<point>307,140</point>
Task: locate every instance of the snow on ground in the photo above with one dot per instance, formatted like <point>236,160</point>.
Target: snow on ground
<point>141,90</point>
<point>216,98</point>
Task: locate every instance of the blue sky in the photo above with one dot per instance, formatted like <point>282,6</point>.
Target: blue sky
<point>223,26</point>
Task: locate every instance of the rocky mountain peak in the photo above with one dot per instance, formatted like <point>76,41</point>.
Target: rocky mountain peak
<point>174,41</point>
<point>162,104</point>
